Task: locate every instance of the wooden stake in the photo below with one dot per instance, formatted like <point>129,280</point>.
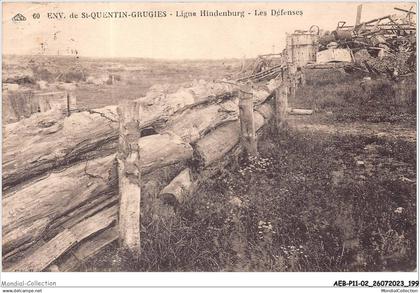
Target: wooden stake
<point>129,175</point>
<point>281,106</point>
<point>43,103</point>
<point>246,118</point>
<point>71,103</point>
<point>291,76</point>
<point>68,104</point>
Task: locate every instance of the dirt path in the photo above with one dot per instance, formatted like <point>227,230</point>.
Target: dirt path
<point>321,123</point>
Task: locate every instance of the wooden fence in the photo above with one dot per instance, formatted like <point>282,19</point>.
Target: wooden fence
<point>73,184</point>
<point>129,162</point>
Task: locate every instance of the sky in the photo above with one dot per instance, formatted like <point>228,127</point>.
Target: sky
<point>171,37</point>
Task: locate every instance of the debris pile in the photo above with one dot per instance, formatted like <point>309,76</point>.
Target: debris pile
<point>381,46</point>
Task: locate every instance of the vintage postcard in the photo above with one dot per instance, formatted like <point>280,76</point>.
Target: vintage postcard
<point>210,137</point>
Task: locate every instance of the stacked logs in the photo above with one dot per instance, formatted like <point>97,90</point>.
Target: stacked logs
<point>60,183</point>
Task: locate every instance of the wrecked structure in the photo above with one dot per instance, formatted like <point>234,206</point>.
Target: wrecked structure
<point>384,46</point>
<point>381,46</point>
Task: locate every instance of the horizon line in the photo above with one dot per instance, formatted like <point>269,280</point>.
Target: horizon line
<point>128,57</point>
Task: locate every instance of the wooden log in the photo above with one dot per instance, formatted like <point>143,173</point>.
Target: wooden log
<point>192,124</point>
<point>28,212</point>
<point>129,176</point>
<point>295,111</point>
<point>27,144</point>
<point>213,146</point>
<point>178,189</point>
<point>220,141</point>
<point>47,141</point>
<point>162,150</point>
<point>54,248</point>
<point>280,107</point>
<point>246,119</point>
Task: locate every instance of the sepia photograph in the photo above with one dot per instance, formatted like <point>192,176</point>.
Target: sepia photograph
<point>209,137</point>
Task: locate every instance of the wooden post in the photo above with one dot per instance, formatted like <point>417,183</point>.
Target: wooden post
<point>302,78</point>
<point>281,106</point>
<point>129,175</point>
<point>246,118</point>
<point>43,104</point>
<point>71,101</point>
<point>291,76</point>
<point>68,104</point>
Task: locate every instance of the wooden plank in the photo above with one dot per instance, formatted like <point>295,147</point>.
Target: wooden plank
<point>46,254</point>
<point>129,175</point>
<point>94,224</point>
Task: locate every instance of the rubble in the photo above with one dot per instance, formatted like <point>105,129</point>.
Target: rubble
<point>384,46</point>
<point>381,46</point>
